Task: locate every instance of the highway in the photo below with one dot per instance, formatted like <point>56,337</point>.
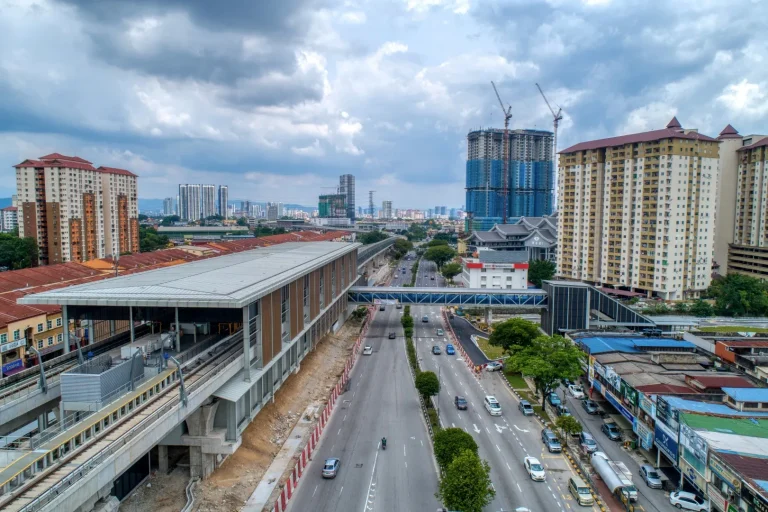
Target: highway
<point>381,402</point>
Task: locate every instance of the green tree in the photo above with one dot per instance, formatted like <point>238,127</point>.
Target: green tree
<point>569,425</point>
<point>547,360</point>
<point>150,240</point>
<point>451,270</point>
<point>242,221</point>
<point>17,253</point>
<point>437,241</point>
<point>169,220</point>
<point>142,217</point>
<point>440,254</point>
<point>372,237</point>
<point>450,442</point>
<point>739,295</point>
<point>681,308</point>
<point>515,332</point>
<point>401,247</point>
<point>427,384</point>
<point>416,232</point>
<point>448,237</point>
<point>701,308</point>
<point>359,313</point>
<point>466,484</point>
<point>540,270</point>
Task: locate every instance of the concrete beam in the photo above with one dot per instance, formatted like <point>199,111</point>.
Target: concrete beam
<point>200,422</point>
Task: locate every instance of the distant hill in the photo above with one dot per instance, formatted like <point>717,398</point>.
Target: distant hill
<point>5,201</point>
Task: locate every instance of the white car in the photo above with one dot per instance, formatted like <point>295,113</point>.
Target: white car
<point>535,469</point>
<point>367,350</point>
<point>576,391</point>
<point>493,366</point>
<point>687,501</point>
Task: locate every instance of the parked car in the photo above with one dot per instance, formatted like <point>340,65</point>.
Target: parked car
<point>382,308</point>
<point>432,278</point>
<point>331,468</point>
<point>612,431</point>
<point>562,410</point>
<point>392,335</point>
<point>398,306</point>
<point>534,469</point>
<point>576,391</point>
<point>550,441</point>
<point>440,332</point>
<point>461,403</point>
<point>687,501</point>
<point>436,350</point>
<point>590,406</point>
<point>425,318</point>
<point>525,407</point>
<point>651,476</point>
<point>493,366</point>
<point>367,350</point>
<point>587,442</point>
<point>553,399</point>
<point>450,350</point>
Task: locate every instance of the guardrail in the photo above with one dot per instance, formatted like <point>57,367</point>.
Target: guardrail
<point>25,391</point>
<point>366,252</point>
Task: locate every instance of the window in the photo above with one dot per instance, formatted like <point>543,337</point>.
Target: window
<point>49,324</point>
<point>333,279</point>
<point>284,298</point>
<point>39,344</point>
<point>16,335</point>
<point>322,289</point>
<point>39,327</point>
<point>3,338</point>
<point>342,270</point>
<point>50,340</point>
<point>306,291</point>
<point>58,322</point>
<point>59,337</point>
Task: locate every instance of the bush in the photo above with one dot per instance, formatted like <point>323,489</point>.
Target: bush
<point>408,332</point>
<point>427,384</point>
<point>413,359</point>
<point>433,420</point>
<point>450,442</point>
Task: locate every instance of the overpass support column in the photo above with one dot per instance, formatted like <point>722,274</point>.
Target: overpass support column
<point>162,458</point>
<point>90,330</point>
<point>247,343</point>
<point>202,459</point>
<point>112,328</point>
<point>130,323</point>
<point>178,331</point>
<point>65,331</point>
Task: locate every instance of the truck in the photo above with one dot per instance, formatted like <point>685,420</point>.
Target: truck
<point>616,476</point>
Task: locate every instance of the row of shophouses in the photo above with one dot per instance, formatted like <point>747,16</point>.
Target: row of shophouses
<point>689,413</point>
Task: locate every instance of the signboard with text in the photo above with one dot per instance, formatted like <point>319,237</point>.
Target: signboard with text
<point>666,441</point>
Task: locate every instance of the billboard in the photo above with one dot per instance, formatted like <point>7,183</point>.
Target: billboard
<point>666,441</point>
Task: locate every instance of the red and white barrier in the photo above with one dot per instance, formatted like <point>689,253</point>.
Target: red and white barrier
<point>457,344</point>
<point>302,460</point>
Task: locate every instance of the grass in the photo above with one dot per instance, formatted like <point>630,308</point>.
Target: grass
<point>489,350</point>
<point>516,380</point>
<point>732,328</point>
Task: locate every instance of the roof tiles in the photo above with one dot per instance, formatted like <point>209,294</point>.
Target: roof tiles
<point>666,133</point>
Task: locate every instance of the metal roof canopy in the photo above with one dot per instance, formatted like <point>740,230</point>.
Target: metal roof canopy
<point>230,281</point>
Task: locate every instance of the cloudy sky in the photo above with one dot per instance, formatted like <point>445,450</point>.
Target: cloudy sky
<point>276,98</point>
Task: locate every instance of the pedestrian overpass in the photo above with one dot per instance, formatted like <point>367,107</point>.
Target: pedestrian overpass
<point>449,296</point>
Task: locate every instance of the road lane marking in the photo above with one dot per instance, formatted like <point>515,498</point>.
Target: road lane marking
<point>313,492</point>
<point>453,425</point>
<point>339,432</point>
<point>345,418</point>
<point>341,490</point>
<point>509,468</point>
<point>373,470</point>
<point>520,429</point>
<point>404,455</point>
<point>519,488</point>
<point>486,429</point>
<point>497,447</point>
<point>477,430</point>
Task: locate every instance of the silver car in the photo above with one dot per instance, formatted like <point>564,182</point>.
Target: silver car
<point>331,468</point>
<point>651,476</point>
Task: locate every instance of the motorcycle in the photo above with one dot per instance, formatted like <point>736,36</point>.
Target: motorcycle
<point>383,443</point>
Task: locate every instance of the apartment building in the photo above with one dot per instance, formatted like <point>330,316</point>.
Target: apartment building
<point>223,201</point>
<point>9,219</point>
<point>637,212</point>
<point>748,254</point>
<point>208,201</point>
<point>77,212</point>
<point>386,210</point>
<point>168,206</point>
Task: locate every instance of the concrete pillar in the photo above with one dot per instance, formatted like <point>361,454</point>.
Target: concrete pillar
<point>90,331</point>
<point>130,324</point>
<point>246,343</point>
<point>201,464</point>
<point>42,422</point>
<point>112,328</point>
<point>200,422</point>
<point>178,331</point>
<point>488,316</point>
<point>162,458</point>
<point>65,331</point>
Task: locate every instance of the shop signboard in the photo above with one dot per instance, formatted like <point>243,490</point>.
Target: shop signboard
<point>13,365</point>
<point>694,447</point>
<point>613,378</point>
<point>597,385</point>
<point>666,441</point>
<point>758,504</point>
<point>691,474</point>
<point>725,474</point>
<point>599,369</point>
<point>591,368</point>
<point>646,404</point>
<point>715,498</point>
<point>617,404</point>
<point>667,414</point>
<point>644,434</point>
<point>5,347</point>
<point>629,393</point>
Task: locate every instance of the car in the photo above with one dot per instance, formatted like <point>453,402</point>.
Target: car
<point>551,441</point>
<point>534,469</point>
<point>526,408</point>
<point>450,350</point>
<point>392,335</point>
<point>382,308</point>
<point>440,332</point>
<point>562,410</point>
<point>687,501</point>
<point>399,306</point>
<point>425,319</point>
<point>331,468</point>
<point>432,278</point>
<point>568,382</point>
<point>590,406</point>
<point>493,366</point>
<point>367,350</point>
<point>651,477</point>
<point>492,405</point>
<point>612,431</point>
<point>587,442</point>
<point>553,399</point>
<point>461,403</point>
<point>436,350</point>
<point>576,391</point>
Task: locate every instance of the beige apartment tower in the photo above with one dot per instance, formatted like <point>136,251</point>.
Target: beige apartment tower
<point>77,212</point>
<point>637,212</point>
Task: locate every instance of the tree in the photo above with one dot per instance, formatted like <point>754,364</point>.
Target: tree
<point>359,313</point>
<point>448,237</point>
<point>547,360</point>
<point>739,295</point>
<point>17,253</point>
<point>569,425</point>
<point>450,442</point>
<point>701,308</point>
<point>427,384</point>
<point>242,221</point>
<point>681,308</point>
<point>516,332</point>
<point>416,233</point>
<point>540,270</point>
<point>440,254</point>
<point>437,241</point>
<point>142,217</point>
<point>450,270</point>
<point>466,484</point>
<point>169,220</point>
<point>401,247</point>
<point>372,237</point>
<point>150,240</point>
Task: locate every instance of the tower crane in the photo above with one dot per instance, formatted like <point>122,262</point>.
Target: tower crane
<point>505,155</point>
<point>557,117</point>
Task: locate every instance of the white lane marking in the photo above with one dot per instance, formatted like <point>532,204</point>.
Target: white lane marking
<point>509,468</point>
<point>453,425</point>
<point>486,429</point>
<point>345,418</point>
<point>353,394</point>
<point>338,433</point>
<point>520,429</point>
<point>548,487</point>
<point>373,469</point>
<point>519,488</point>
<point>477,430</point>
<point>406,464</point>
<point>422,442</point>
<point>497,447</point>
<point>313,492</point>
<point>341,490</point>
<point>404,455</point>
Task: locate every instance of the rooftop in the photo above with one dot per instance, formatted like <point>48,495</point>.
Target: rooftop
<point>759,144</point>
<point>717,409</point>
<point>703,382</point>
<point>627,345</point>
<point>230,281</point>
<point>753,469</point>
<point>733,443</point>
<point>747,394</point>
<point>752,427</point>
<point>503,256</point>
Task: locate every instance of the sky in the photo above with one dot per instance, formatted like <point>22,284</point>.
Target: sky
<point>277,98</point>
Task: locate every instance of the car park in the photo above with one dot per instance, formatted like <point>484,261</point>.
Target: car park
<point>425,319</point>
<point>450,350</point>
<point>367,350</point>
<point>461,403</point>
<point>436,350</point>
<point>590,406</point>
<point>587,442</point>
<point>392,335</point>
<point>331,468</point>
<point>612,431</point>
<point>650,476</point>
<point>440,332</point>
<point>535,469</point>
<point>492,405</point>
<point>526,408</point>
<point>551,441</point>
<point>562,410</point>
<point>553,399</point>
<point>493,366</point>
<point>687,501</point>
<point>576,391</point>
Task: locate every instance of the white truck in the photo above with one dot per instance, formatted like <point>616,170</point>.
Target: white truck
<point>616,476</point>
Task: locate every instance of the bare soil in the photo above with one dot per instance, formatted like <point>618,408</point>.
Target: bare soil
<point>232,483</point>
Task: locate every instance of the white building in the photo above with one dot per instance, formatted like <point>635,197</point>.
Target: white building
<point>224,201</point>
<point>168,206</point>
<point>9,219</point>
<point>501,270</point>
<point>208,201</point>
<point>331,221</point>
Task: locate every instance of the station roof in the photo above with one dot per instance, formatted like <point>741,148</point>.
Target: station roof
<point>229,281</point>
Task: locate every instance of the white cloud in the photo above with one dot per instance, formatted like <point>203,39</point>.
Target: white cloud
<point>423,6</point>
<point>353,17</point>
<point>649,117</point>
<point>745,98</point>
<point>314,149</point>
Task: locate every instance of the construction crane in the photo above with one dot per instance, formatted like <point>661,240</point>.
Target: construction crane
<point>505,156</point>
<point>557,117</point>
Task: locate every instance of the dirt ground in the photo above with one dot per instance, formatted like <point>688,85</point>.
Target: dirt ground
<point>231,484</point>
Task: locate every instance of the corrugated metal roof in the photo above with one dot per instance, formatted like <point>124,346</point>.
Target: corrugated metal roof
<point>503,256</point>
<point>601,344</point>
<point>732,443</point>
<point>697,406</point>
<point>747,394</point>
<point>233,280</point>
<point>754,427</point>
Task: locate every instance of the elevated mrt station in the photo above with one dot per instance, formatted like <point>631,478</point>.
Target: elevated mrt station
<point>228,332</point>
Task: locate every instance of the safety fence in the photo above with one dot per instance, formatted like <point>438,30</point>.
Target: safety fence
<point>304,458</point>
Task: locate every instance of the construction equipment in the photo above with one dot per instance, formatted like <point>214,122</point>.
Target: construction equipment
<point>505,156</point>
<point>557,117</point>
